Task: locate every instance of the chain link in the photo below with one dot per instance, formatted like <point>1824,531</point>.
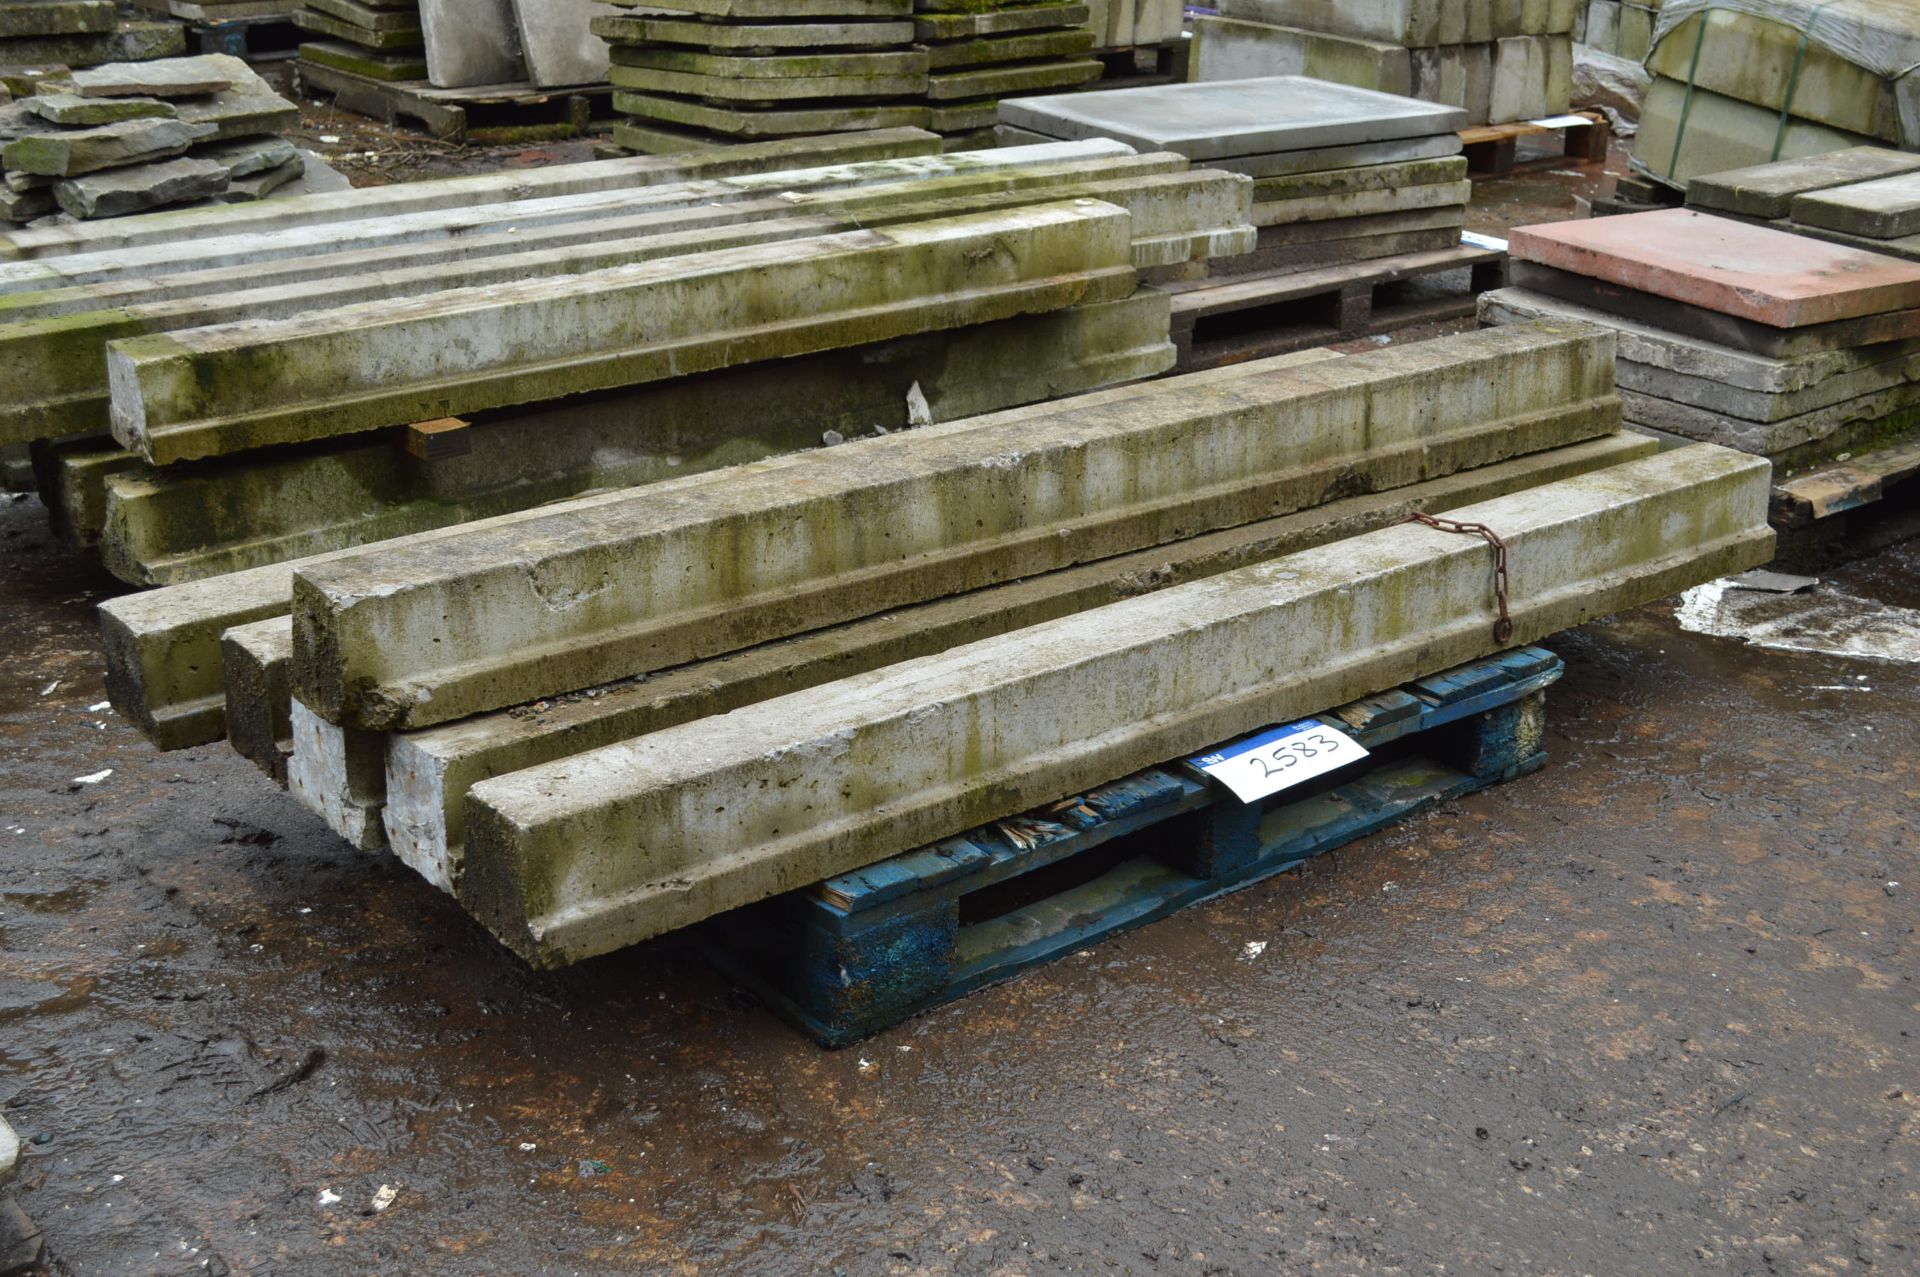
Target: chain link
<point>1502,628</point>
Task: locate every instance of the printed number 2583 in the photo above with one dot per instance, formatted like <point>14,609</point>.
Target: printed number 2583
<point>1291,752</point>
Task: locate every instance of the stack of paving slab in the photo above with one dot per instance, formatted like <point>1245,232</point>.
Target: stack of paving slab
<point>980,51</point>
<point>1623,28</point>
<point>1135,24</point>
<point>693,72</point>
<point>1802,352</point>
<point>56,34</point>
<point>591,326</point>
<point>1340,174</point>
<point>379,39</point>
<point>1867,197</point>
<point>126,137</point>
<point>1498,62</point>
<point>1739,84</point>
<point>598,721</point>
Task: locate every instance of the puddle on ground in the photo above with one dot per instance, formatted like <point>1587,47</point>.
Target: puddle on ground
<point>1829,620</point>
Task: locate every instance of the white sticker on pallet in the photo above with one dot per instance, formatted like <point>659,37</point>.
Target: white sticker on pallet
<point>1280,759</point>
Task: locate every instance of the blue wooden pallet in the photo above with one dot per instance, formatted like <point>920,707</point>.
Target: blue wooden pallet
<point>855,954</point>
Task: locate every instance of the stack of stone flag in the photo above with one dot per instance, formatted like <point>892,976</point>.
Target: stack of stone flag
<point>1497,62</point>
<point>81,33</point>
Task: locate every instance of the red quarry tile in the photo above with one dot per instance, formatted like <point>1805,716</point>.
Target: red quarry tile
<point>1735,268</point>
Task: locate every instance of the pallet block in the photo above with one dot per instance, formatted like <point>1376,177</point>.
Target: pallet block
<point>856,954</point>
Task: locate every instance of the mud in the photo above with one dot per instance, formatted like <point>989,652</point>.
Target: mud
<point>1650,1010</point>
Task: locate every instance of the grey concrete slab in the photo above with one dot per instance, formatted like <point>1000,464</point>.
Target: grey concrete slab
<point>1767,191</point>
<point>1237,118</point>
<point>1885,208</point>
<point>1228,49</point>
<point>589,854</point>
<point>557,41</point>
<point>470,42</point>
<point>1793,442</point>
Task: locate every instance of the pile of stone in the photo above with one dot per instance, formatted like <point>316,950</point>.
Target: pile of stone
<point>1623,28</point>
<point>980,51</point>
<point>57,34</point>
<point>379,39</point>
<point>1798,351</point>
<point>237,387</point>
<point>601,720</point>
<point>1739,84</point>
<point>1339,174</point>
<point>1867,197</point>
<point>1498,62</point>
<point>126,137</point>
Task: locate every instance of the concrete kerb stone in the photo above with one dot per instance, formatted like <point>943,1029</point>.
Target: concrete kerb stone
<point>591,853</point>
<point>255,663</point>
<point>1140,463</point>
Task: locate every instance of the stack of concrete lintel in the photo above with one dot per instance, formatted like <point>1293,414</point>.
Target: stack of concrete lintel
<point>126,137</point>
<point>1803,352</point>
<point>576,328</point>
<point>1499,62</point>
<point>51,36</point>
<point>980,51</point>
<point>601,720</point>
<point>1340,174</point>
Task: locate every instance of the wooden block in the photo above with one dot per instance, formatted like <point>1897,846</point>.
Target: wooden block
<point>438,439</point>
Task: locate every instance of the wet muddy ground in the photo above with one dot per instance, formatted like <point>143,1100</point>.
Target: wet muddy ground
<point>1651,1010</point>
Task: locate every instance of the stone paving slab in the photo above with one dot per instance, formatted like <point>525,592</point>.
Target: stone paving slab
<point>635,28</point>
<point>137,187</point>
<point>1885,208</point>
<point>1767,191</point>
<point>1225,119</point>
<point>1734,268</point>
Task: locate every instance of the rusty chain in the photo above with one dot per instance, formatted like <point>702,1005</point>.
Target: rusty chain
<point>1502,628</point>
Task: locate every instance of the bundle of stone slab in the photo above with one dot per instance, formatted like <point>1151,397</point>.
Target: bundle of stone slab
<point>602,720</point>
<point>53,35</point>
<point>1623,28</point>
<point>1747,82</point>
<point>1802,352</point>
<point>1498,61</point>
<point>591,326</point>
<point>126,137</point>
<point>1339,174</point>
<point>1866,197</point>
<point>379,39</point>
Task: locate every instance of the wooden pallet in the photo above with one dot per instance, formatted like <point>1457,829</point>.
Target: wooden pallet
<point>1848,509</point>
<point>1231,320</point>
<point>857,953</point>
<point>492,113</point>
<point>1493,149</point>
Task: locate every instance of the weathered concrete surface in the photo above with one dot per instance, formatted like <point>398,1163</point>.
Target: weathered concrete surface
<point>470,42</point>
<point>160,528</point>
<point>754,124</point>
<point>70,476</point>
<point>255,660</point>
<point>163,647</point>
<point>1750,272</point>
<point>1246,117</point>
<point>549,601</point>
<point>339,775</point>
<point>72,109</point>
<point>1767,191</point>
<point>592,853</point>
<point>134,38</point>
<point>1367,177</point>
<point>1794,443</point>
<point>1323,208</point>
<point>1412,23</point>
<point>663,28</point>
<point>56,17</point>
<point>375,230</point>
<point>429,772</point>
<point>1885,208</point>
<point>468,192</point>
<point>557,42</point>
<point>1225,49</point>
<point>1683,136</point>
<point>932,27</point>
<point>208,391</point>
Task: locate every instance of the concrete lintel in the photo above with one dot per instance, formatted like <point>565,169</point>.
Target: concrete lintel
<point>589,854</point>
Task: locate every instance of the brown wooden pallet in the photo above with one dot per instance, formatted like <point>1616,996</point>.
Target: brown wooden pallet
<point>1492,149</point>
<point>1229,321</point>
<point>1848,508</point>
<point>487,113</point>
